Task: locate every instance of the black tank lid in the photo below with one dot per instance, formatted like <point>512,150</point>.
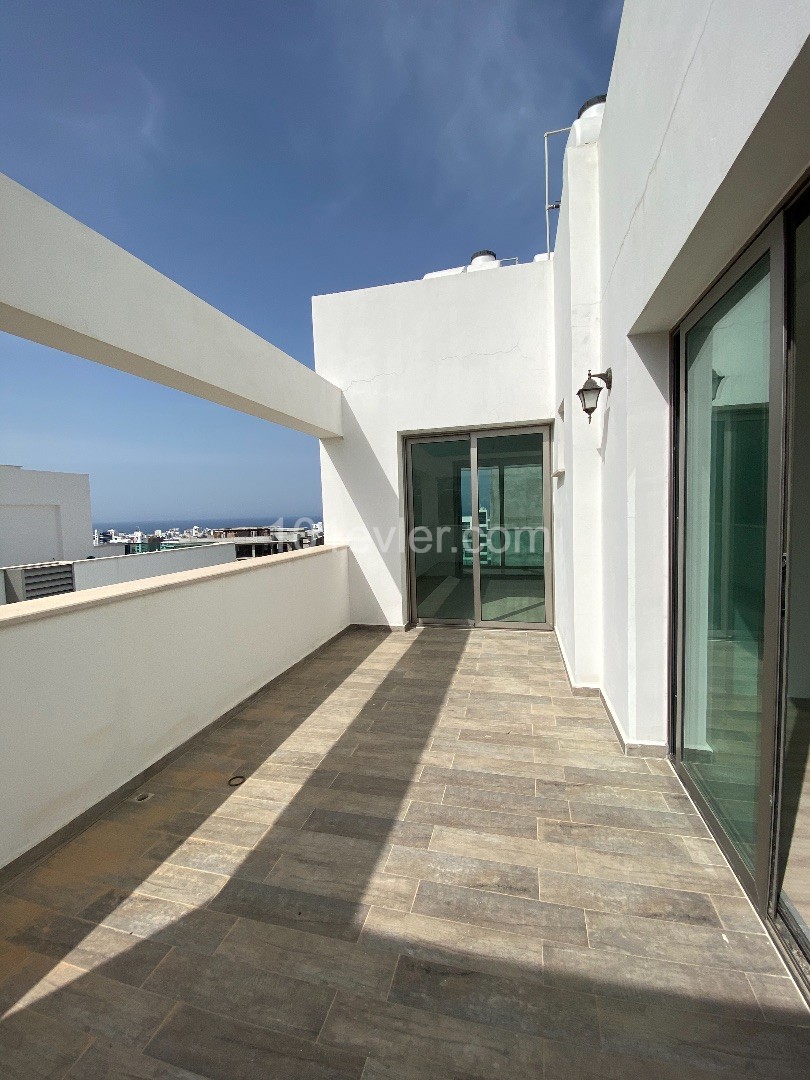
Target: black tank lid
<point>592,101</point>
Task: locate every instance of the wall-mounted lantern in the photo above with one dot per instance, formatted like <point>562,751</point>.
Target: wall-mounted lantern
<point>589,393</point>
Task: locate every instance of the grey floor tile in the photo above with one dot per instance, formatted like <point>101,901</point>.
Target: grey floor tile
<point>531,918</point>
<point>292,907</point>
<point>506,802</point>
<point>625,898</point>
<point>405,1036</point>
<point>460,870</point>
<point>697,1039</point>
<point>483,821</point>
<point>446,941</point>
<point>699,945</point>
<point>312,957</point>
<point>516,1004</point>
<point>34,1047</point>
<point>635,978</point>
<point>224,1049</point>
<point>88,946</point>
<point>242,991</point>
<point>97,1005</point>
<point>161,921</point>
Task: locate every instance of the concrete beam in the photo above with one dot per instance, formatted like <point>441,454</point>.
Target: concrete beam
<point>65,286</point>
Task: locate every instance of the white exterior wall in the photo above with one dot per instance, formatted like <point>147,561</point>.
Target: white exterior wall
<point>115,569</point>
<point>580,446</point>
<point>44,516</point>
<point>695,152</point>
<point>467,350</point>
<point>100,685</point>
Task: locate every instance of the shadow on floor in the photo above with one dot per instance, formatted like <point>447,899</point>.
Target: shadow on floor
<point>439,865</point>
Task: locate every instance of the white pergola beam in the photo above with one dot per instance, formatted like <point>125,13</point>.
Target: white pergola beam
<point>63,285</point>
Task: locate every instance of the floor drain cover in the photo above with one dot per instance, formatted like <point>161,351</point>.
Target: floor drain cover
<point>142,796</point>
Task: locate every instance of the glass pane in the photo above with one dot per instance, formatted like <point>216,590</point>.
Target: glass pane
<point>727,369</point>
<point>794,822</point>
<point>512,538</point>
<point>440,541</point>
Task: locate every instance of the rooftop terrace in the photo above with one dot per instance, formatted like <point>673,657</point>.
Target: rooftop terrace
<point>440,864</point>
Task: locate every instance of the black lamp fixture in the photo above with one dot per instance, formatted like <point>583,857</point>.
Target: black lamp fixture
<point>589,393</point>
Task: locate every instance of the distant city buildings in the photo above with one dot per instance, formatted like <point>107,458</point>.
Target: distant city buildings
<point>48,545</point>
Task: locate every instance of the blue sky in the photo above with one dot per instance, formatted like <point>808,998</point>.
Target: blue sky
<point>259,153</point>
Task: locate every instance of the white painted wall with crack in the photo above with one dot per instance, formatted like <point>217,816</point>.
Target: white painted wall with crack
<point>469,350</point>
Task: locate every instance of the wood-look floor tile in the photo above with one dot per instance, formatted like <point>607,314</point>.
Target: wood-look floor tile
<point>780,1000</point>
<point>34,1047</point>
<point>635,978</point>
<point>216,857</point>
<point>313,958</point>
<point>161,921</point>
<point>405,1036</point>
<point>505,802</point>
<point>300,910</point>
<point>701,1040</point>
<point>516,850</point>
<point>614,778</point>
<point>242,991</point>
<point>87,946</point>
<point>664,872</point>
<point>221,1048</point>
<point>531,918</point>
<point>700,945</point>
<point>647,820</point>
<point>519,1005</point>
<point>365,827</point>
<point>624,898</point>
<point>490,781</point>
<point>429,938</point>
<point>460,817</point>
<point>95,1004</point>
<point>105,1060</point>
<point>459,870</point>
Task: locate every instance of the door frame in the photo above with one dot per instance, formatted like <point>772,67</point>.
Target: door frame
<point>756,883</point>
<point>473,435</point>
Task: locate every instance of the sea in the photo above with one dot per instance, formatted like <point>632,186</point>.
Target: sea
<point>148,525</point>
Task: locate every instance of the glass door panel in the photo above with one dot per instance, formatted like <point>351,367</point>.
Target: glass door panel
<point>442,555</point>
<point>792,878</point>
<point>512,536</point>
<point>727,369</point>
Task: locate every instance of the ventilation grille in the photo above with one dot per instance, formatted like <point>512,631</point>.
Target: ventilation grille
<point>49,579</point>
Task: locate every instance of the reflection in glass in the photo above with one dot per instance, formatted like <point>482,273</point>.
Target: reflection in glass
<point>793,873</point>
<point>512,538</point>
<point>727,370</point>
<point>440,485</point>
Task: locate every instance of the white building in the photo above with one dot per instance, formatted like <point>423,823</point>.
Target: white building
<point>673,565</point>
<point>44,516</point>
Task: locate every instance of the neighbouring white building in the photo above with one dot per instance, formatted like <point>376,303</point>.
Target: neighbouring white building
<point>44,516</point>
<point>671,561</point>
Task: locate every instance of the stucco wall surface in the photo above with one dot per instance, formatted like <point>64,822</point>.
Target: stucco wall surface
<point>468,350</point>
<point>98,572</point>
<point>166,657</point>
<point>44,516</point>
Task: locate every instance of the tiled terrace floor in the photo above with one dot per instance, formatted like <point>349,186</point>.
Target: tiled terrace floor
<point>440,865</point>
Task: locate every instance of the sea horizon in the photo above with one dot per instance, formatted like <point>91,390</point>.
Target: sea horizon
<point>149,525</point>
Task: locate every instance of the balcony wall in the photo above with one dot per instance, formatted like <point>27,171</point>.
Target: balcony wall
<point>100,685</point>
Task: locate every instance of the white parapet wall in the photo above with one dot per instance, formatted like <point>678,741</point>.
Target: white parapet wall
<point>116,569</point>
<point>100,685</point>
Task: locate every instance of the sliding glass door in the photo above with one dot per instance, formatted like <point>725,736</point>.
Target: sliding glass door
<point>791,879</point>
<point>478,540</point>
<point>729,538</point>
